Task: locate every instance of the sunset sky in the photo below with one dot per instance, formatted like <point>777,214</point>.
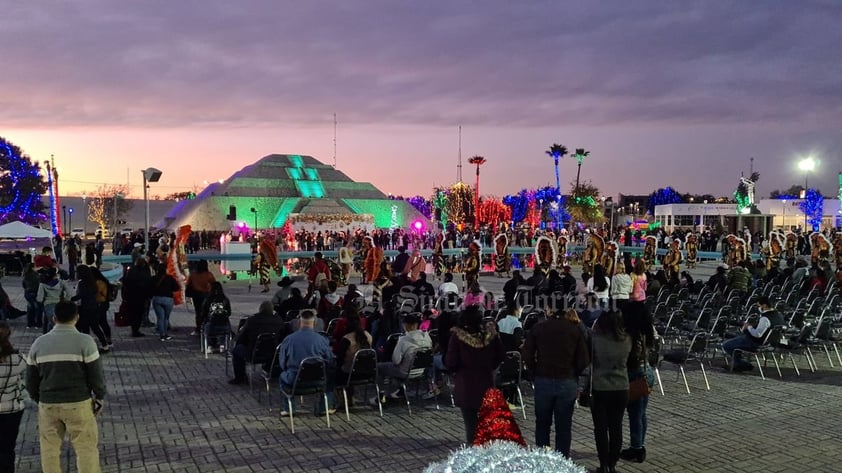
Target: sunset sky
<point>661,93</point>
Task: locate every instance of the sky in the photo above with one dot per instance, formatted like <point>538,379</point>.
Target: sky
<point>661,93</point>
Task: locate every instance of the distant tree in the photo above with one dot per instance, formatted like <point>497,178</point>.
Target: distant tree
<point>21,186</point>
<point>585,206</point>
<point>793,192</point>
<point>101,204</point>
<point>663,196</point>
<point>180,195</point>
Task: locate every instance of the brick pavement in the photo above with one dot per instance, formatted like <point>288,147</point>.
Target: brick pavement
<point>169,409</point>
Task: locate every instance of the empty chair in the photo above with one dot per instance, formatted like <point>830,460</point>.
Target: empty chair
<point>695,352</point>
<point>422,360</point>
<point>509,376</point>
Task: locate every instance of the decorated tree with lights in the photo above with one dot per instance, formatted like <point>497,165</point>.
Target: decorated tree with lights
<point>557,152</point>
<point>663,196</point>
<point>586,206</point>
<point>21,186</point>
<point>439,205</point>
<point>813,208</point>
<point>492,211</point>
<point>460,204</point>
<point>101,208</point>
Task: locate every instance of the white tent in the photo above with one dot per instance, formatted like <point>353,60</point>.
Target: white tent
<point>22,231</point>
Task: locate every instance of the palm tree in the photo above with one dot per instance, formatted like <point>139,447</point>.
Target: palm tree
<point>580,156</point>
<point>557,152</point>
<point>478,161</point>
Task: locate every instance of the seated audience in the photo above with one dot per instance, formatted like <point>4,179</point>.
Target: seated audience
<point>265,321</point>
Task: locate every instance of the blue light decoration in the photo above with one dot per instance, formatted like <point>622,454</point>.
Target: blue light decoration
<point>519,203</point>
<point>16,173</point>
<point>53,203</point>
<point>813,208</point>
<point>663,196</point>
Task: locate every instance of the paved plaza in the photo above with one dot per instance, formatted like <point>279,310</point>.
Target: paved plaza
<point>170,409</point>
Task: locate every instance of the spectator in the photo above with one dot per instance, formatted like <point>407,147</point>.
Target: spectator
<point>30,282</point>
<point>51,293</point>
<point>318,272</point>
<point>718,279</point>
<point>556,353</point>
<point>301,344</point>
<point>330,305</point>
<point>448,286</point>
<point>353,338</point>
<point>64,370</point>
<point>639,326</point>
<point>599,285</point>
<point>621,285</point>
<point>12,396</point>
<point>404,352</point>
<point>45,259</point>
<point>739,279</point>
<point>294,302</point>
<point>510,289</point>
<point>216,314</point>
<point>568,282</point>
<point>399,265</point>
<point>164,286</point>
<point>265,321</point>
<point>474,296</point>
<point>753,335</point>
<point>475,351</point>
<point>198,288</point>
<point>415,265</point>
<point>610,380</point>
<point>283,293</point>
<point>422,287</point>
<point>102,304</point>
<point>137,290</point>
<point>86,294</point>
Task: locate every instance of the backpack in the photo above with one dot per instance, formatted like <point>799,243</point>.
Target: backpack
<point>217,315</point>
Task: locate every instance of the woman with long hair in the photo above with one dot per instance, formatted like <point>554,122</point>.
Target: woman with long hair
<point>86,293</point>
<point>215,314</point>
<point>621,284</point>
<point>164,287</point>
<point>198,287</point>
<point>610,382</point>
<point>639,326</point>
<point>102,304</point>
<point>599,285</point>
<point>354,338</point>
<point>474,351</point>
<point>12,367</point>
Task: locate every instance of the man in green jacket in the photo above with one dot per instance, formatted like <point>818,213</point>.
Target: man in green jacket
<point>65,379</point>
<point>739,278</point>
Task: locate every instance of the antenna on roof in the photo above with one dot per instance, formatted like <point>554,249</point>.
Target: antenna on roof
<point>334,139</point>
<point>459,165</point>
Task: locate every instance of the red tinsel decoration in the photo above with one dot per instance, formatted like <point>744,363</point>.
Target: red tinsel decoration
<point>496,421</point>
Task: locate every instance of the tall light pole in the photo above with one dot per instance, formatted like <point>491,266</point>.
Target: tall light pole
<point>149,175</point>
<point>84,215</point>
<point>254,211</point>
<point>807,165</point>
<point>70,218</point>
<point>118,195</point>
<point>64,212</point>
<point>478,161</point>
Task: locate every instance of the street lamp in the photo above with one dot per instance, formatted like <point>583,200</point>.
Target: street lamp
<point>149,175</point>
<point>807,164</point>
<point>85,219</point>
<point>70,218</point>
<point>254,211</point>
<point>64,214</point>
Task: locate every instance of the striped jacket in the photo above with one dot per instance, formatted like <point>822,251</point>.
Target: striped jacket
<point>11,384</point>
<point>64,366</point>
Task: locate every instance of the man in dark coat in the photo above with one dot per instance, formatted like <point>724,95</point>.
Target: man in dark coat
<point>265,321</point>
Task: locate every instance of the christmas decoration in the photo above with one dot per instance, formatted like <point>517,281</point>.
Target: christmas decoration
<point>557,152</point>
<point>21,186</point>
<point>503,457</point>
<point>663,196</point>
<point>493,211</point>
<point>393,223</point>
<point>496,421</point>
<point>813,208</point>
<point>440,206</point>
<point>460,204</point>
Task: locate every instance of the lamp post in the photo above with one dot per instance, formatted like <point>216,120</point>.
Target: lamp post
<point>85,215</point>
<point>149,175</point>
<point>118,195</point>
<point>783,224</point>
<point>254,211</point>
<point>478,161</point>
<point>807,164</point>
<point>64,214</point>
<point>70,218</point>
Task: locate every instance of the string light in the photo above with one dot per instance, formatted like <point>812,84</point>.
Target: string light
<point>22,174</point>
<point>813,208</point>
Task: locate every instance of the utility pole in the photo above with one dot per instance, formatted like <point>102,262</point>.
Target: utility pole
<point>459,165</point>
<point>334,140</point>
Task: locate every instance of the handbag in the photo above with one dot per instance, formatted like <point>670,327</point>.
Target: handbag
<point>121,317</point>
<point>639,387</point>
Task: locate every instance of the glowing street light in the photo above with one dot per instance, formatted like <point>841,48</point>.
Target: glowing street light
<point>807,165</point>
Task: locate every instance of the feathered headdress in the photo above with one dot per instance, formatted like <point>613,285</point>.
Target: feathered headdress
<point>504,237</point>
<point>549,242</point>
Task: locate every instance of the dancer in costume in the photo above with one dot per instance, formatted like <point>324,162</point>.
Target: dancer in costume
<point>773,250</point>
<point>470,266</point>
<point>820,248</point>
<point>545,254</point>
<point>561,251</point>
<point>346,259</point>
<point>737,250</point>
<point>177,261</point>
<point>438,255</point>
<point>502,258</point>
<point>837,250</point>
<point>791,245</point>
<point>267,259</point>
<point>609,257</point>
<point>593,252</point>
<point>372,260</point>
<point>650,246</point>
<point>672,260</point>
<point>691,245</point>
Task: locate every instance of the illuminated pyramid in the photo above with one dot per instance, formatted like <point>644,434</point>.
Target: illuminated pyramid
<point>280,185</point>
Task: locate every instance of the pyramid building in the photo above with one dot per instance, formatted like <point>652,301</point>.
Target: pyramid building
<point>283,186</point>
